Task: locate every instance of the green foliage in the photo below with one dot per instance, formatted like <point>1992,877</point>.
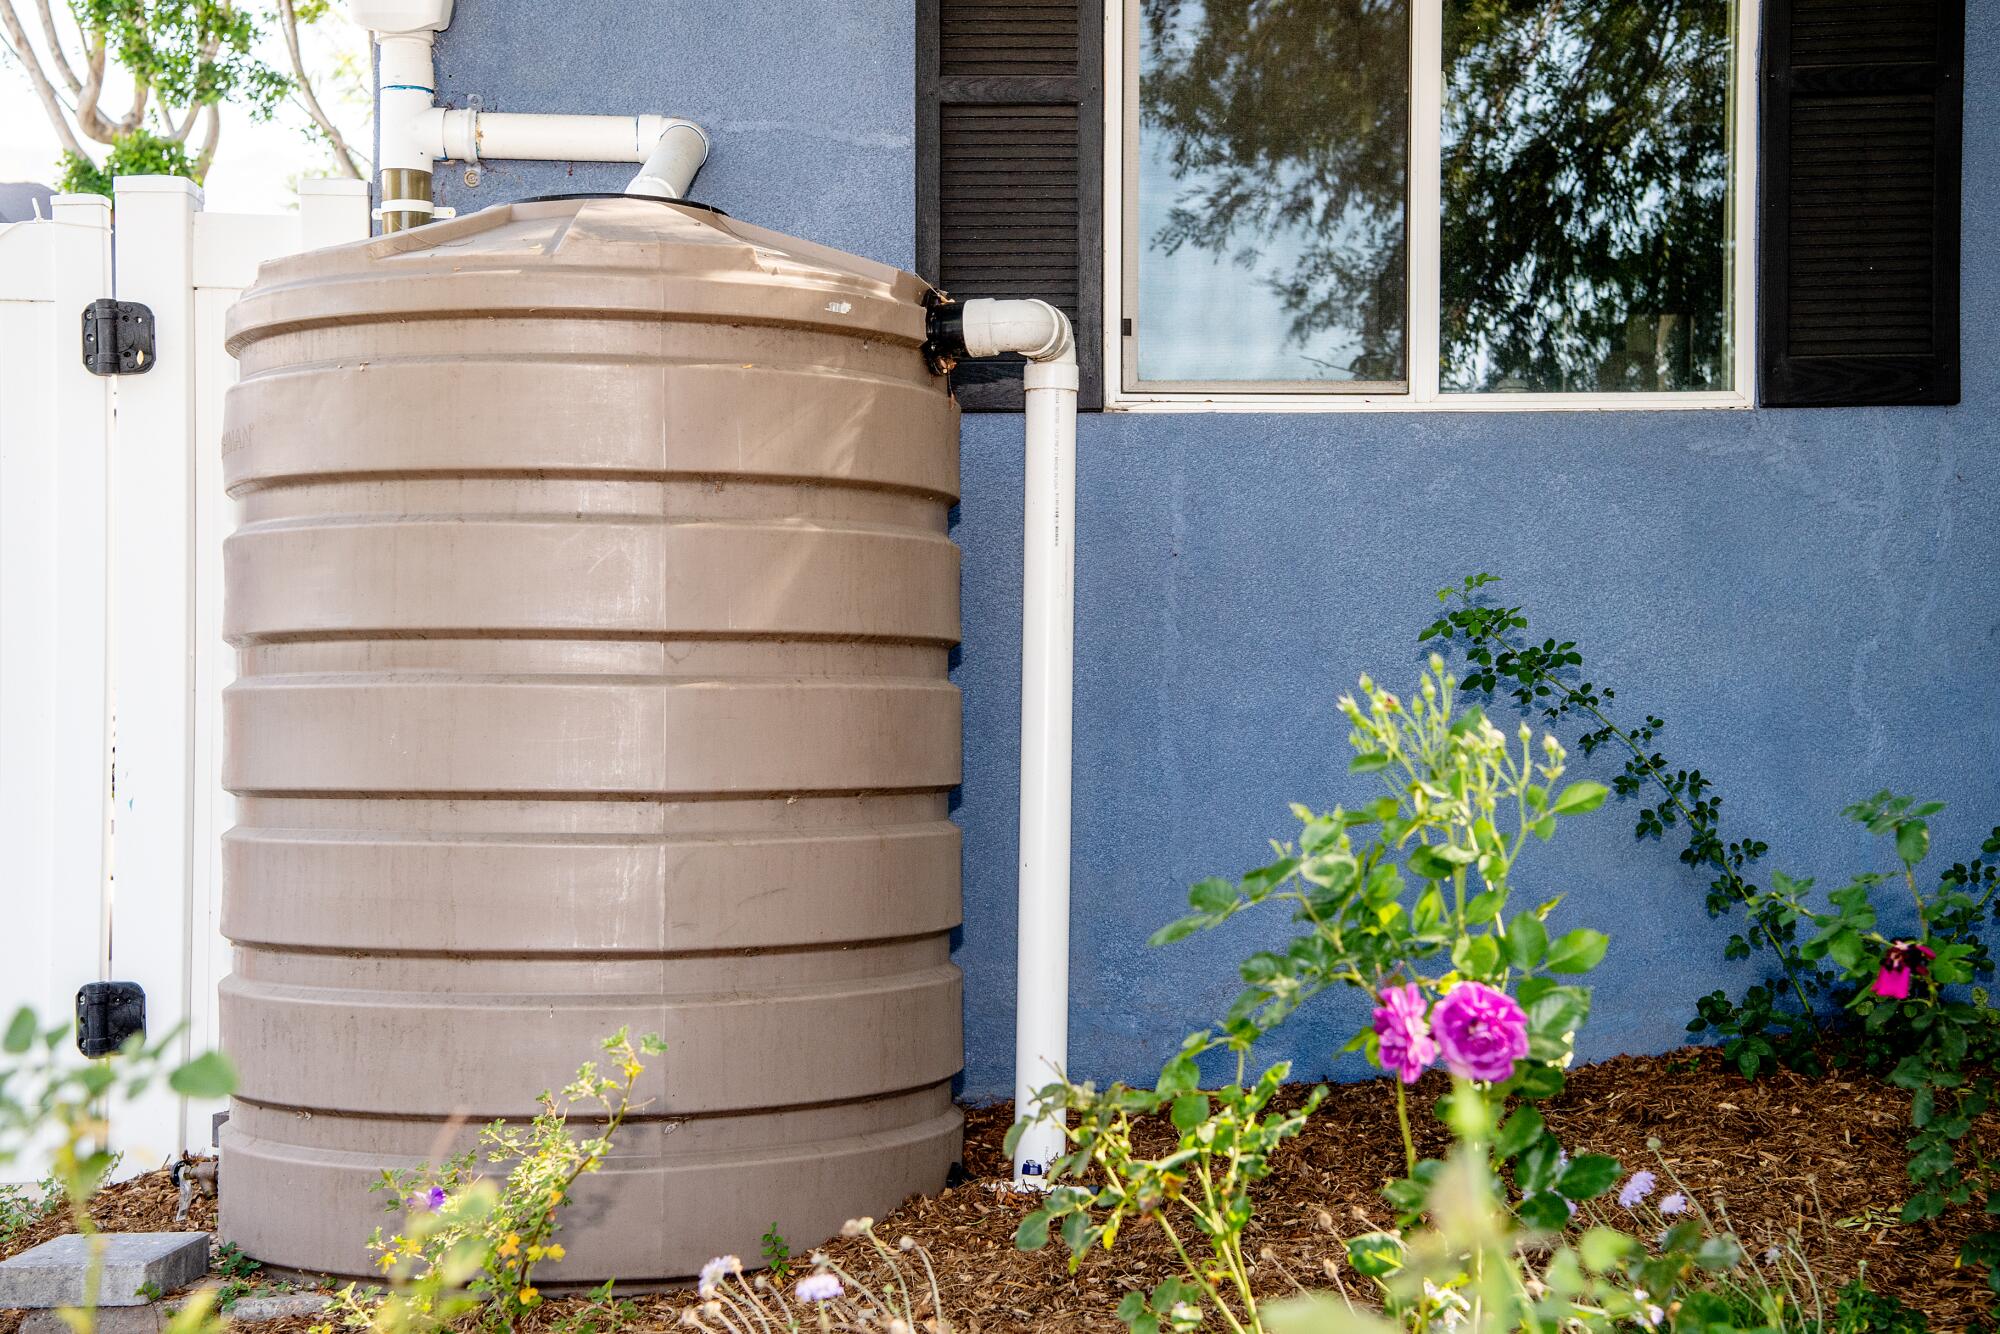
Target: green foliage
<point>1860,1311</point>
<point>777,1254</point>
<point>238,1273</point>
<point>1471,1262</point>
<point>1414,885</point>
<point>189,52</point>
<point>24,1206</point>
<point>1198,1194</point>
<point>469,1246</point>
<point>1761,1032</point>
<point>1409,893</point>
<point>47,1093</point>
<point>603,1313</point>
<point>140,153</point>
<point>1921,1024</point>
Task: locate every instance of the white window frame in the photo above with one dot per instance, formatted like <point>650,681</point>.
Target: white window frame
<point>1426,168</point>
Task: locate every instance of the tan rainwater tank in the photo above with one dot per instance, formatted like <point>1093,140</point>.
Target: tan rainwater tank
<point>593,603</point>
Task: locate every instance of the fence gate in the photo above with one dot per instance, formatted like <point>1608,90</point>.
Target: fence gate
<point>112,665</point>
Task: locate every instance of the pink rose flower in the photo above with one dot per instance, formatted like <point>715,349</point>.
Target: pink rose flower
<point>1480,1032</point>
<point>1903,958</point>
<point>1406,1045</point>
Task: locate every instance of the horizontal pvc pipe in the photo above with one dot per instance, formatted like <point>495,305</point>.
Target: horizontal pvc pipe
<point>471,135</point>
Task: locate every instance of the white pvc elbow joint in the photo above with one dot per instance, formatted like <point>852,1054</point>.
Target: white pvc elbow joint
<point>1035,329</point>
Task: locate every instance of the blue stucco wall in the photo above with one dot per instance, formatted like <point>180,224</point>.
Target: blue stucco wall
<point>1808,597</point>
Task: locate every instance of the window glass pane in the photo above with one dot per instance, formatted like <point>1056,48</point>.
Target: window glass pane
<point>1586,195</point>
<point>1272,155</point>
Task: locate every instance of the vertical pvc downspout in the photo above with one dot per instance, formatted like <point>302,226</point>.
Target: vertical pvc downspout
<point>1042,333</point>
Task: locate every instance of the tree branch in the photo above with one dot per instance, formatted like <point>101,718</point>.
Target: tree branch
<point>343,156</point>
<point>87,116</point>
<point>56,55</point>
<point>44,90</point>
<point>141,94</point>
<point>208,141</point>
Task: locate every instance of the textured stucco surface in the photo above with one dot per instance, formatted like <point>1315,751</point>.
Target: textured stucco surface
<point>1807,597</point>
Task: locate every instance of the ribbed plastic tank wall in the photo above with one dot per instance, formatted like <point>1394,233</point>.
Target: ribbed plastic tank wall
<point>593,604</point>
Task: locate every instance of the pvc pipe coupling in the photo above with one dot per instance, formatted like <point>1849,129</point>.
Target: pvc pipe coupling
<point>986,326</point>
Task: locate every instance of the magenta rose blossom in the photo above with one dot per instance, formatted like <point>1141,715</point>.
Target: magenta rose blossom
<point>1406,1043</point>
<point>1481,1032</point>
<point>1903,958</point>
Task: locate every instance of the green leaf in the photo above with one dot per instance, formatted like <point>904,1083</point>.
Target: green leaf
<point>1477,956</point>
<point>1579,799</point>
<point>21,1031</point>
<point>1718,1254</point>
<point>1588,1176</point>
<point>1375,1254</point>
<point>1076,1232</point>
<point>1544,1210</point>
<point>1177,930</point>
<point>1367,763</point>
<point>1523,1128</point>
<point>1190,1110</point>
<point>1212,895</point>
<point>1033,1234</point>
<point>1603,1248</point>
<point>1535,1170</point>
<point>1578,952</point>
<point>1527,941</point>
<point>1179,1075</point>
<point>1425,861</point>
<point>1558,1011</point>
<point>1484,906</point>
<point>1913,841</point>
<point>209,1075</point>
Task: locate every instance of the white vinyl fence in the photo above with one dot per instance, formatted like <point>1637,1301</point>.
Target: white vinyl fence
<point>112,665</point>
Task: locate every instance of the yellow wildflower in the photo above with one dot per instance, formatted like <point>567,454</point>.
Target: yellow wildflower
<point>633,1069</point>
<point>511,1244</point>
<point>555,1251</point>
<point>529,1296</point>
<point>535,1253</point>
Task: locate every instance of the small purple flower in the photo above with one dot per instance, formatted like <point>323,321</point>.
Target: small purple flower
<point>818,1288</point>
<point>1675,1203</point>
<point>1406,1043</point>
<point>1637,1187</point>
<point>1480,1032</point>
<point>429,1202</point>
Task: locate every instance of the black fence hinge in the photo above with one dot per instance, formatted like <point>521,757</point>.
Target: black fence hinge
<point>107,1015</point>
<point>117,337</point>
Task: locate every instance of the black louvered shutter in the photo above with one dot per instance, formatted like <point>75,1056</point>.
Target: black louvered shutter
<point>1858,264</point>
<point>1009,153</point>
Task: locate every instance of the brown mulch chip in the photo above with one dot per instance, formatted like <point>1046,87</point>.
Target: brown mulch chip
<point>1819,1159</point>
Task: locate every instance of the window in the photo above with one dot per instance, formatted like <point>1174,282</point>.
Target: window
<point>1476,203</point>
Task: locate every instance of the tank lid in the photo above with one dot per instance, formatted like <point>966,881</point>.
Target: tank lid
<point>613,257</point>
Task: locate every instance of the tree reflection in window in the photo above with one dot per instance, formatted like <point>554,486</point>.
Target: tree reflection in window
<point>1274,134</point>
<point>1585,183</point>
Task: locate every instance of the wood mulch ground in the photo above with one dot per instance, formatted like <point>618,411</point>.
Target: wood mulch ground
<point>1822,1159</point>
<point>1819,1159</point>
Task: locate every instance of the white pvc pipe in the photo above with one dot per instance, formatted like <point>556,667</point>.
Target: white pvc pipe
<point>1048,649</point>
<point>416,133</point>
